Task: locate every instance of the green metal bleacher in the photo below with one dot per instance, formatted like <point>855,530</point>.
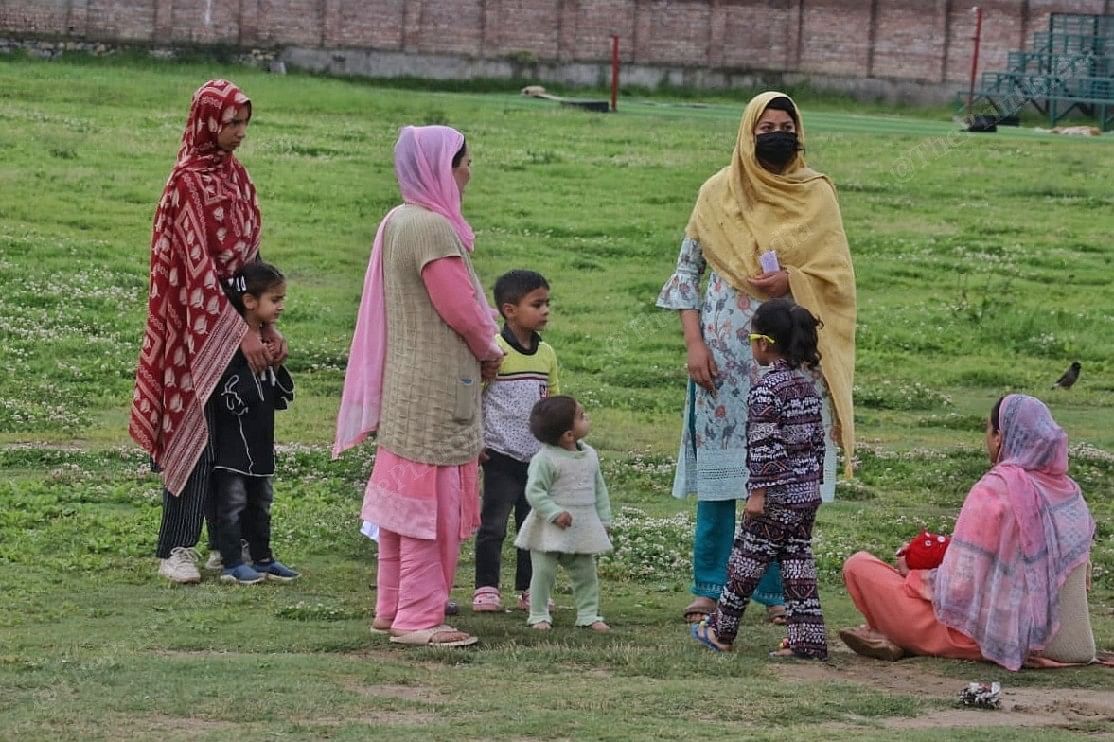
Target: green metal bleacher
<point>1069,68</point>
<point>1081,23</point>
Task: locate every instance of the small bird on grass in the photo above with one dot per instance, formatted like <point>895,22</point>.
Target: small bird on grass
<point>1070,376</point>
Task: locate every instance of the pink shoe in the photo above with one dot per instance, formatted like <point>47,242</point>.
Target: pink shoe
<point>487,600</point>
<point>524,602</point>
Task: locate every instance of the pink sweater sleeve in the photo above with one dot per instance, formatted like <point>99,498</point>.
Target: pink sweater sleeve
<point>450,289</point>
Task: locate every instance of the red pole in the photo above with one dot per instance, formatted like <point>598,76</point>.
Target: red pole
<point>975,57</point>
<point>614,72</point>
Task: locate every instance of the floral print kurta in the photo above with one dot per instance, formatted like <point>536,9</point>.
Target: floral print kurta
<point>712,460</point>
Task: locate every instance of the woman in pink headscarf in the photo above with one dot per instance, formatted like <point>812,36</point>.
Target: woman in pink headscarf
<point>1012,588</point>
<point>424,342</point>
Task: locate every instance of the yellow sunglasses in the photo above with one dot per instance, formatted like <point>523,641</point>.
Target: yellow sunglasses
<point>759,336</point>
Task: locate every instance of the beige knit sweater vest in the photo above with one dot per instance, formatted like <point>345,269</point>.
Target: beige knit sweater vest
<point>431,385</point>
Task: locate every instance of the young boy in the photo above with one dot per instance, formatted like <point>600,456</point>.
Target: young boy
<point>528,374</point>
<point>244,438</point>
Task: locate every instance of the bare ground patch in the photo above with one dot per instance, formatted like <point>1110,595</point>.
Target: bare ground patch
<point>400,718</point>
<point>1061,708</point>
<point>165,726</point>
<point>417,693</point>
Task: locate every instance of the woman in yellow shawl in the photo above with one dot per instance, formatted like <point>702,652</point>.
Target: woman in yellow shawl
<point>765,201</point>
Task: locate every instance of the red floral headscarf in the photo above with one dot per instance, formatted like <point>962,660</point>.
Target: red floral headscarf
<point>206,228</point>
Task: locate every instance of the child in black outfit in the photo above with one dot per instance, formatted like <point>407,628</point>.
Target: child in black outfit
<point>244,438</point>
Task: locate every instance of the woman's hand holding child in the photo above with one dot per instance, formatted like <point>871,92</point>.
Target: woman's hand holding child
<point>276,343</point>
<point>258,355</point>
<point>489,368</point>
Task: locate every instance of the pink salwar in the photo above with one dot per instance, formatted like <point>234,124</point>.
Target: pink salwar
<point>897,607</point>
<point>419,535</point>
<point>415,574</point>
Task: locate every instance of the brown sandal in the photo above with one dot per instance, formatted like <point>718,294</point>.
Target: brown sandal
<point>698,610</point>
<point>870,643</point>
<point>775,614</point>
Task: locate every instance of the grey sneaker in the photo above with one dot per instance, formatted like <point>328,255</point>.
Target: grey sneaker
<point>181,566</point>
<point>215,564</point>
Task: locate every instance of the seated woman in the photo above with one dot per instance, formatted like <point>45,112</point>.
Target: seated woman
<point>1012,587</point>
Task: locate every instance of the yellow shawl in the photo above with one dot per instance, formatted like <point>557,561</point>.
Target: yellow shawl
<point>744,210</point>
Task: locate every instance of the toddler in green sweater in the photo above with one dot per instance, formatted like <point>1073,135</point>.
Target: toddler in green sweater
<point>570,512</point>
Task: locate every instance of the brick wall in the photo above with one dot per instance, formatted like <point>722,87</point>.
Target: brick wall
<point>903,40</point>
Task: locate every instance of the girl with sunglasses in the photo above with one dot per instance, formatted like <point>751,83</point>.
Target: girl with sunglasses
<point>785,456</point>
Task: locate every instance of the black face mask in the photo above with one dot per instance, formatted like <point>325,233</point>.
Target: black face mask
<point>776,148</point>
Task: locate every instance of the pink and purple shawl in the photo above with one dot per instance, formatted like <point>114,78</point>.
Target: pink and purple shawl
<point>423,166</point>
<point>1023,529</point>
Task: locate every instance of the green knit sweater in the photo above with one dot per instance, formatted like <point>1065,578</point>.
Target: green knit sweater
<point>431,385</point>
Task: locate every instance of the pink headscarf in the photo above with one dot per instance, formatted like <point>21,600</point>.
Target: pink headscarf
<point>423,166</point>
<point>1023,529</point>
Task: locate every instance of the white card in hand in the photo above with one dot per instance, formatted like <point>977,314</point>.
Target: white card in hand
<point>768,261</point>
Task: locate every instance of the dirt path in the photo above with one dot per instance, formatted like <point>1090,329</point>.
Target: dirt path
<point>1060,708</point>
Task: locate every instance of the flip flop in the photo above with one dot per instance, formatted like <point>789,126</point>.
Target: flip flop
<point>775,614</point>
<point>702,637</point>
<point>424,638</point>
<point>870,643</point>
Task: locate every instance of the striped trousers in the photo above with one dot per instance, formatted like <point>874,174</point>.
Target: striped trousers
<point>182,515</point>
<point>780,534</point>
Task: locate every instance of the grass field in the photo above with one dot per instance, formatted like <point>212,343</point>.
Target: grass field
<point>983,266</point>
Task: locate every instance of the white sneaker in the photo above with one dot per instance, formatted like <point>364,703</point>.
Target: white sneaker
<point>181,567</point>
<point>215,564</point>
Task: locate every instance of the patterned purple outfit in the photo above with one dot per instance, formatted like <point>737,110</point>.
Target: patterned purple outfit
<point>785,455</point>
<point>785,438</point>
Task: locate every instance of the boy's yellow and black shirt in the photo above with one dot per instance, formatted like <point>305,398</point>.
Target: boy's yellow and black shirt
<point>527,375</point>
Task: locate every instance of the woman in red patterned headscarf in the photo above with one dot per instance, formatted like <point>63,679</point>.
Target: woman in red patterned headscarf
<point>206,228</point>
